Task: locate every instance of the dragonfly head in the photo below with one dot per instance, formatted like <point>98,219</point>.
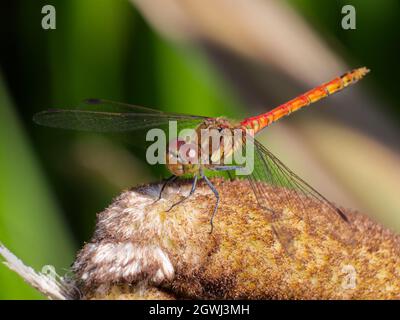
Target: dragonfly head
<point>182,157</point>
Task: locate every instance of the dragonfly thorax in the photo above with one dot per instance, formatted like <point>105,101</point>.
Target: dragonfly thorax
<point>207,146</point>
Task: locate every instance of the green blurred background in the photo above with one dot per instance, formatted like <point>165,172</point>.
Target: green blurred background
<point>53,182</point>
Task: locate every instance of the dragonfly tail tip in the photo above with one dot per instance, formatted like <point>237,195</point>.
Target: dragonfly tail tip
<point>363,71</point>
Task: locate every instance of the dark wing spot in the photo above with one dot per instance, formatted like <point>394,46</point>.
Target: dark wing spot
<point>342,215</point>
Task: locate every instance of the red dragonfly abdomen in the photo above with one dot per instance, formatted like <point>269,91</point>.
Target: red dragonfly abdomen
<point>261,121</point>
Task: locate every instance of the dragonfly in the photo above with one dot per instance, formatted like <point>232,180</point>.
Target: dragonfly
<point>268,172</point>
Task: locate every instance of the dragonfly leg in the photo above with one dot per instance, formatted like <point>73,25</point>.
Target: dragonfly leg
<point>217,201</point>
<point>226,168</point>
<point>190,193</point>
<point>170,179</point>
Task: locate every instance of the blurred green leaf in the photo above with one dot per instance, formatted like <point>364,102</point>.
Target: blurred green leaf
<point>30,223</point>
<point>88,49</point>
<point>188,83</point>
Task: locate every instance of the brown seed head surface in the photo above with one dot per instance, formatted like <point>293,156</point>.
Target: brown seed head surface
<point>142,251</point>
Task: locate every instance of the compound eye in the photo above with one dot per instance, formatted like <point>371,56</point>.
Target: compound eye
<point>174,146</point>
<point>188,153</point>
<point>185,152</point>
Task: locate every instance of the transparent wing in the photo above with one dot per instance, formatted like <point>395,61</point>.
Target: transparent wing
<point>287,199</point>
<point>107,116</point>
